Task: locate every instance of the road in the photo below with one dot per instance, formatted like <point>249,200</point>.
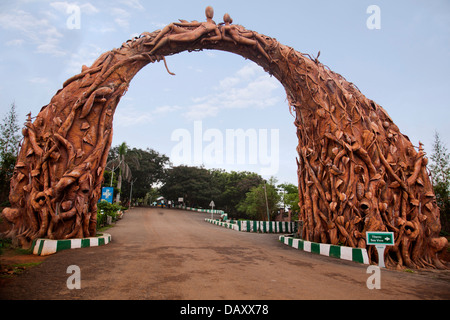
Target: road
<point>176,255</point>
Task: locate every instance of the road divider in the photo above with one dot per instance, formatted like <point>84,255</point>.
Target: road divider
<point>44,247</point>
<point>340,252</point>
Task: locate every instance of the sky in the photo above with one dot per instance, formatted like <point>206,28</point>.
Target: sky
<point>397,55</point>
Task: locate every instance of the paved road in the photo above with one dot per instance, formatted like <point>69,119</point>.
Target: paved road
<point>176,255</point>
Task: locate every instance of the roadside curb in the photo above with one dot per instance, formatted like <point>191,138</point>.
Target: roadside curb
<point>44,247</point>
<point>223,224</point>
<point>340,252</point>
<point>256,226</point>
<point>199,210</point>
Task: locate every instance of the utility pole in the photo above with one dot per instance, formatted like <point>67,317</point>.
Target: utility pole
<point>131,190</point>
<point>267,203</point>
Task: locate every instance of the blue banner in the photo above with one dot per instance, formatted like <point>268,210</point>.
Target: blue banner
<point>107,194</point>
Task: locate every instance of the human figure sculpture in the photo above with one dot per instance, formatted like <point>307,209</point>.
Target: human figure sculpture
<point>181,34</point>
<point>234,34</point>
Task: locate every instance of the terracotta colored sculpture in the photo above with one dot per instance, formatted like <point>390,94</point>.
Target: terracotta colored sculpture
<point>184,35</point>
<point>356,171</point>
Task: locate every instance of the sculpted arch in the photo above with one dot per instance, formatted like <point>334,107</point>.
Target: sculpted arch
<point>356,170</point>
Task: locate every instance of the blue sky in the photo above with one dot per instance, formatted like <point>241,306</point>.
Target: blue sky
<point>404,66</point>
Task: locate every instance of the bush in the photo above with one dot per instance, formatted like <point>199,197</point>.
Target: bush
<point>105,209</point>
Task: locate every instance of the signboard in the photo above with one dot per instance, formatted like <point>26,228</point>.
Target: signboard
<point>107,194</point>
<point>380,238</point>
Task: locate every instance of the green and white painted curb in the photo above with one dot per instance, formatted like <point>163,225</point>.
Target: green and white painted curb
<point>267,226</point>
<point>257,226</point>
<point>224,224</point>
<point>340,252</point>
<point>200,210</point>
<point>44,247</point>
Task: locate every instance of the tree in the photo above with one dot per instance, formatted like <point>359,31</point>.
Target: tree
<point>190,183</point>
<point>440,176</point>
<point>255,204</point>
<point>124,169</point>
<point>289,195</point>
<point>9,143</point>
<point>148,167</point>
<point>233,188</point>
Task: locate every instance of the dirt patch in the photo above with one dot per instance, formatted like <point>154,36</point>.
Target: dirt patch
<point>14,262</point>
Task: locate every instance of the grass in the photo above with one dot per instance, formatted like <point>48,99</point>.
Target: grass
<point>104,228</point>
<point>8,266</point>
<point>11,270</point>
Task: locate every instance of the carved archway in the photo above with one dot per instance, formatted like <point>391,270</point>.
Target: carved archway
<point>356,170</point>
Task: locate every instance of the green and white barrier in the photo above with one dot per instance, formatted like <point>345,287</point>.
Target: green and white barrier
<point>267,226</point>
<point>224,224</point>
<point>257,226</point>
<point>200,210</point>
<point>44,247</point>
<point>340,252</point>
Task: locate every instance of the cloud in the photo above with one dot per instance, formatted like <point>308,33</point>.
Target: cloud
<point>38,80</point>
<point>134,4</point>
<point>201,111</point>
<point>121,17</point>
<point>85,55</point>
<point>166,109</point>
<point>123,23</point>
<point>62,7</point>
<point>127,115</point>
<point>128,119</point>
<point>15,42</point>
<point>249,87</point>
<point>37,31</point>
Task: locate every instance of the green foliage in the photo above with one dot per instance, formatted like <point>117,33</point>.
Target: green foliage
<point>190,183</point>
<point>198,186</point>
<point>440,175</point>
<point>151,196</point>
<point>233,190</point>
<point>147,168</point>
<point>120,163</point>
<point>9,144</point>
<point>261,199</point>
<point>289,195</point>
<point>105,209</point>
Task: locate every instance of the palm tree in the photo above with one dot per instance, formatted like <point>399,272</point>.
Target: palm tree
<point>124,169</point>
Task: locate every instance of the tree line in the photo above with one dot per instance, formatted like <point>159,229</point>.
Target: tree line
<point>141,176</point>
<point>240,194</point>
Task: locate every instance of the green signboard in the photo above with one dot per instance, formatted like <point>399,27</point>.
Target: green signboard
<point>380,238</point>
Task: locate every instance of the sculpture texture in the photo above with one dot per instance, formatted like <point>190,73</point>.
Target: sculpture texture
<point>356,170</point>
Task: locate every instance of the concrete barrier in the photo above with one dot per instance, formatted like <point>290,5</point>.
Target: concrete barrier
<point>44,247</point>
<point>199,210</point>
<point>340,252</point>
<point>256,226</point>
